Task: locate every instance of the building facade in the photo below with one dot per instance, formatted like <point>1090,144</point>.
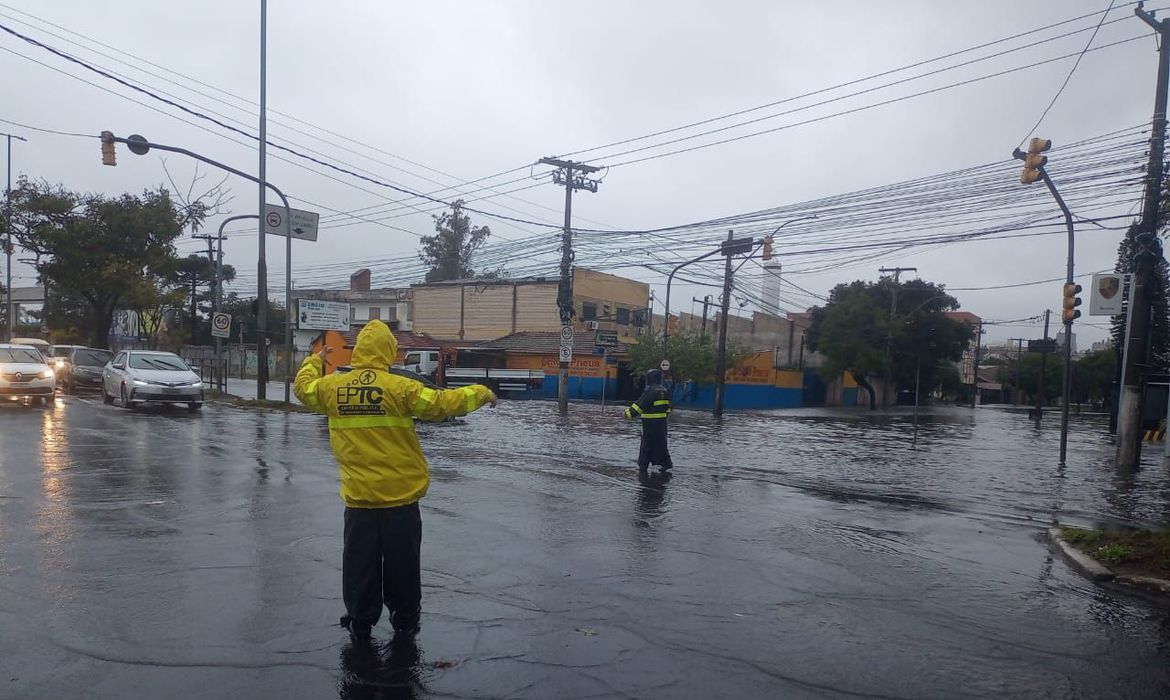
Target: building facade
<point>487,309</point>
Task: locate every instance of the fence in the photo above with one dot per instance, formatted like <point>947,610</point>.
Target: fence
<point>237,362</point>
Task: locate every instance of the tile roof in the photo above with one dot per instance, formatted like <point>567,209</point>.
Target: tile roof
<point>545,342</point>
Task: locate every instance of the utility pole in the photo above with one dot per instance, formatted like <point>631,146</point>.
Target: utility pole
<point>261,262</point>
<point>897,273</point>
<point>730,248</point>
<point>650,316</point>
<point>211,261</point>
<point>978,351</point>
<point>572,176</point>
<point>706,301</point>
<point>9,307</point>
<point>1043,368</point>
<point>1134,371</point>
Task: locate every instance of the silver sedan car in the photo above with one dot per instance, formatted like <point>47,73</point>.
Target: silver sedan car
<point>139,376</point>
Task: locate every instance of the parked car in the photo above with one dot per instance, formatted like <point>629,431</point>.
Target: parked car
<point>24,374</point>
<point>140,376</point>
<point>56,355</point>
<point>82,368</point>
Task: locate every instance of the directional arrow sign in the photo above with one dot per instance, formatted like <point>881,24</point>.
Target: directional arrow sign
<point>304,223</point>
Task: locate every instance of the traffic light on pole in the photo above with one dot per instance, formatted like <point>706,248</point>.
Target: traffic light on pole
<point>1071,302</point>
<point>1034,161</point>
<point>108,157</point>
<point>767,248</point>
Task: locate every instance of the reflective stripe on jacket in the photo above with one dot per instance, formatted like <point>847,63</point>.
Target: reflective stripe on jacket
<point>653,404</point>
<point>371,420</point>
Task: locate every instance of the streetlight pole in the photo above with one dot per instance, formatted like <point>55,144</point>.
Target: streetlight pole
<point>670,277</point>
<point>217,303</point>
<point>141,146</point>
<point>9,309</point>
<point>261,263</point>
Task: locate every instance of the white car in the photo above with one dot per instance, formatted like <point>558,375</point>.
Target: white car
<point>138,376</point>
<point>24,374</point>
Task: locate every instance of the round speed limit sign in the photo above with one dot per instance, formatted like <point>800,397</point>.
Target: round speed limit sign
<point>566,334</point>
<point>221,324</point>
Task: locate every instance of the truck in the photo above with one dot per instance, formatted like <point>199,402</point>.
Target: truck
<point>499,380</point>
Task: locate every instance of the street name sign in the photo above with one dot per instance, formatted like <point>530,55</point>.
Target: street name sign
<point>304,223</point>
<point>606,338</point>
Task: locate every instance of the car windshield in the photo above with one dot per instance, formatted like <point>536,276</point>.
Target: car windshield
<point>21,355</point>
<point>92,358</point>
<point>163,362</point>
<point>62,351</point>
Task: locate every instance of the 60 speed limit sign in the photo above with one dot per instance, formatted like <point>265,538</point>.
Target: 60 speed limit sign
<point>221,324</point>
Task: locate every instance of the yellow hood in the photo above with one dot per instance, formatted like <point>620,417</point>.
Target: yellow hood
<point>376,347</point>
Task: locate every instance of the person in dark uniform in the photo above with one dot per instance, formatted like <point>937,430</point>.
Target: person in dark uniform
<point>652,408</point>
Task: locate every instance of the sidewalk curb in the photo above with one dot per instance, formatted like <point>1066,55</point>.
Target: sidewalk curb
<point>1087,565</point>
<point>1150,583</point>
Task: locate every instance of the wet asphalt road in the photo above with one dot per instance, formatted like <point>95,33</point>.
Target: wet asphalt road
<point>793,554</point>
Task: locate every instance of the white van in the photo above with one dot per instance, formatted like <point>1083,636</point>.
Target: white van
<point>423,362</point>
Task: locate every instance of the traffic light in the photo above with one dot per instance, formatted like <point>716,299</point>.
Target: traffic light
<point>108,148</point>
<point>1071,302</point>
<point>768,248</point>
<point>1033,160</point>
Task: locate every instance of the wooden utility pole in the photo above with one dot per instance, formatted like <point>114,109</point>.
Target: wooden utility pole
<point>706,301</point>
<point>572,176</point>
<point>1134,371</point>
<point>729,248</point>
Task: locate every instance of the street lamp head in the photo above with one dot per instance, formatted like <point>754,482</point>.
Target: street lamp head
<point>138,145</point>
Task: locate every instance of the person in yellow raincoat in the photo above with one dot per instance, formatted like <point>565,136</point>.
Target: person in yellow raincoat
<point>383,473</point>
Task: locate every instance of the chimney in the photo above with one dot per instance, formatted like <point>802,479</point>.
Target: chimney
<point>360,281</point>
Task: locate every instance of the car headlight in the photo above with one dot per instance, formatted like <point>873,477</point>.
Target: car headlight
<point>47,374</point>
<point>196,385</point>
<point>60,364</point>
<point>139,382</point>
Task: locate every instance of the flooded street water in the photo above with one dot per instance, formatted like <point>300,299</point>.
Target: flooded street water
<point>804,553</point>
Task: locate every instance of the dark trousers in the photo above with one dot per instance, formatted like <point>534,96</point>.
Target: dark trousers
<point>380,565</point>
<point>653,449</point>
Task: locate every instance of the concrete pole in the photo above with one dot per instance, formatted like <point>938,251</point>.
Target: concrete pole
<point>261,263</point>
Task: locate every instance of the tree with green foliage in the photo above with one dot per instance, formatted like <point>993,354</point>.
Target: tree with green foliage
<point>448,252</point>
<point>691,358</point>
<point>1092,377</point>
<point>243,312</point>
<point>95,247</point>
<point>1023,375</point>
<point>191,274</point>
<point>856,333</point>
<point>1127,255</point>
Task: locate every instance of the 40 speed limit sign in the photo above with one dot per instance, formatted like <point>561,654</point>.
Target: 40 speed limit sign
<point>221,324</point>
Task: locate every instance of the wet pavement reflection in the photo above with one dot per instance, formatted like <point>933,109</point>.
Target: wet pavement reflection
<point>811,553</point>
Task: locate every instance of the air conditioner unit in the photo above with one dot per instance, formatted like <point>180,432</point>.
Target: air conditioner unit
<point>592,325</point>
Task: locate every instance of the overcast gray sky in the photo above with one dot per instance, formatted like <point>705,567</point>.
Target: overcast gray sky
<point>472,89</point>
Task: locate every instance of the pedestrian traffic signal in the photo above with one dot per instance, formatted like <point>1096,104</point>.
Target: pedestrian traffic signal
<point>1071,302</point>
<point>768,248</point>
<point>108,157</point>
<point>1034,161</point>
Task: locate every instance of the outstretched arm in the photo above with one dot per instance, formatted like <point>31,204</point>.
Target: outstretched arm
<point>437,404</point>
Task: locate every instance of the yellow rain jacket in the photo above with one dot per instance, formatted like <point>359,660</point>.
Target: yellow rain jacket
<point>371,426</point>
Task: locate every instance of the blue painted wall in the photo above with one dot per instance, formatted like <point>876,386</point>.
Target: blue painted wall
<point>740,397</point>
<point>580,387</point>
